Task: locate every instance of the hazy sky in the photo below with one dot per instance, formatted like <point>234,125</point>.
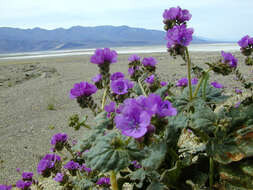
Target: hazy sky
<point>218,19</point>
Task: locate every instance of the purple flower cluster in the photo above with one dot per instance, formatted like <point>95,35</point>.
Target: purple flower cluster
<point>163,83</point>
<point>229,59</point>
<point>245,42</point>
<point>27,176</point>
<point>110,108</point>
<point>83,167</point>
<point>136,164</point>
<point>134,115</point>
<point>179,35</point>
<point>176,14</point>
<point>150,79</point>
<point>238,91</point>
<point>216,85</point>
<point>5,187</point>
<point>149,61</point>
<point>82,89</point>
<point>183,82</point>
<point>59,138</point>
<point>102,56</point>
<point>71,165</point>
<point>59,177</point>
<point>121,86</point>
<point>24,185</point>
<point>116,76</point>
<point>58,141</point>
<point>97,78</point>
<point>134,58</point>
<point>47,164</point>
<point>104,181</point>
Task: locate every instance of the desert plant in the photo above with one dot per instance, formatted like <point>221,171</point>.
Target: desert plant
<point>151,138</point>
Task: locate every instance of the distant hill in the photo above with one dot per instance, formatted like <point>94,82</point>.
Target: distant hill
<point>37,39</point>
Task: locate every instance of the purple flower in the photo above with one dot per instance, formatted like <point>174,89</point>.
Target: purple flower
<point>244,42</point>
<point>103,181</point>
<point>27,176</point>
<point>117,75</point>
<point>136,164</point>
<point>216,85</point>
<point>171,14</point>
<point>183,82</point>
<point>163,83</point>
<point>121,86</point>
<point>59,138</point>
<point>82,89</point>
<point>5,187</point>
<point>85,168</point>
<point>110,108</point>
<point>59,177</point>
<point>176,13</point>
<point>131,71</point>
<point>133,120</point>
<point>228,58</point>
<point>194,81</point>
<point>23,184</point>
<point>47,162</point>
<point>165,109</point>
<point>179,35</point>
<point>97,78</point>
<point>184,15</point>
<point>102,56</point>
<point>150,79</point>
<point>71,165</point>
<point>135,115</point>
<point>237,104</point>
<point>149,61</point>
<point>134,58</point>
<point>238,91</point>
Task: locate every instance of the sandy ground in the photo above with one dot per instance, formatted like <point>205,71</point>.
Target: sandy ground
<point>27,123</point>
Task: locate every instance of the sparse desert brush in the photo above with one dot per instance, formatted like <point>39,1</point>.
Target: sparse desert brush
<point>151,135</point>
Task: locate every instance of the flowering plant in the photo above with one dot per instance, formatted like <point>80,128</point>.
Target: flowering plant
<point>147,136</point>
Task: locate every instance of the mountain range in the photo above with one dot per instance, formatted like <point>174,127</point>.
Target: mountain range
<point>38,39</point>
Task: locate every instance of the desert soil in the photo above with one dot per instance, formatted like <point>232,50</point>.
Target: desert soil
<point>35,104</point>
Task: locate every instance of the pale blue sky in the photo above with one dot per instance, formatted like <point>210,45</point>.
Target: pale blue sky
<point>217,19</point>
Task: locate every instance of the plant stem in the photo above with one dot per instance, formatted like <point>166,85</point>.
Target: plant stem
<point>211,173</point>
<point>189,73</point>
<point>104,98</point>
<point>200,82</point>
<point>113,181</point>
<point>204,86</point>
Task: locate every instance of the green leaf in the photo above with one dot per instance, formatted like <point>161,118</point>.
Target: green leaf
<point>156,185</point>
<point>155,157</point>
<point>203,121</point>
<point>163,90</point>
<point>237,174</point>
<point>98,130</point>
<point>83,184</point>
<point>111,152</point>
<point>137,89</point>
<point>174,128</point>
<point>139,176</point>
<point>171,176</point>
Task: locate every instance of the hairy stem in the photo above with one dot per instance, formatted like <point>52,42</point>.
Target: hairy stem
<point>113,181</point>
<point>211,173</point>
<point>189,73</point>
<point>204,86</point>
<point>104,98</point>
<point>204,76</point>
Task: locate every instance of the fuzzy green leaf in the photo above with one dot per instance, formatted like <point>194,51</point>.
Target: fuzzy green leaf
<point>83,184</point>
<point>110,152</point>
<point>155,157</point>
<point>238,175</point>
<point>156,185</point>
